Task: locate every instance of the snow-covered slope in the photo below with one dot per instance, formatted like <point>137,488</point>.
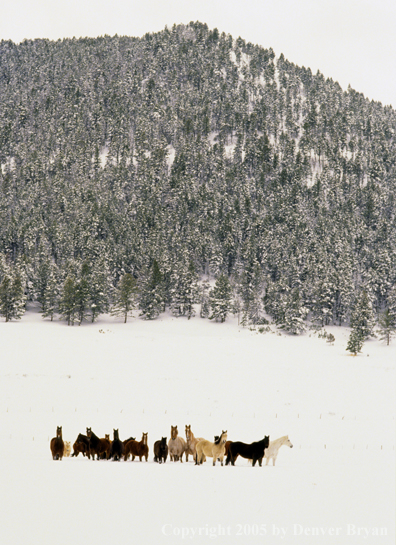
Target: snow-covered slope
<point>336,484</point>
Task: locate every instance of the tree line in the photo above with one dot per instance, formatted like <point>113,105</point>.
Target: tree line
<point>187,154</point>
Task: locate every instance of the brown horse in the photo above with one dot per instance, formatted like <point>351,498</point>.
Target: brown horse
<point>137,448</point>
<point>57,445</point>
<point>176,445</point>
<point>191,443</point>
<point>117,447</point>
<point>81,444</point>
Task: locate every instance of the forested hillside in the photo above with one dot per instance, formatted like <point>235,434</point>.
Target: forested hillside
<point>189,155</point>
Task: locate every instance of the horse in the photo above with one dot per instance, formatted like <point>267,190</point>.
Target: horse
<point>67,449</point>
<point>137,448</point>
<point>106,455</point>
<point>81,444</point>
<point>191,443</point>
<point>214,450</point>
<point>176,445</point>
<point>274,446</point>
<point>160,451</point>
<point>117,447</point>
<point>98,446</point>
<point>57,445</point>
<point>253,451</point>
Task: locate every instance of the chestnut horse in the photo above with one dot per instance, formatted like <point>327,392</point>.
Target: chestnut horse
<point>137,448</point>
<point>191,443</point>
<point>57,445</point>
<point>253,451</point>
<point>215,450</point>
<point>176,445</point>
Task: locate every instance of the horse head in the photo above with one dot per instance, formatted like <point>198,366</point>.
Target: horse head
<point>188,432</point>
<point>59,431</point>
<point>144,438</point>
<point>174,432</point>
<point>115,435</point>
<point>163,442</point>
<point>288,443</point>
<point>89,432</point>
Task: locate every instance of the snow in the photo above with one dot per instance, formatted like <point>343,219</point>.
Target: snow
<point>336,485</point>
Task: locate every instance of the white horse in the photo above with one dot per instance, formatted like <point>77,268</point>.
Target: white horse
<point>176,445</point>
<point>273,448</point>
<point>214,450</point>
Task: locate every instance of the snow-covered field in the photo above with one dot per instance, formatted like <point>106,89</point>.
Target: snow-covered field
<point>337,485</point>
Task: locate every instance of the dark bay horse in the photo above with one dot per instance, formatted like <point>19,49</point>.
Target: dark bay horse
<point>57,445</point>
<point>97,446</point>
<point>81,444</point>
<point>253,451</point>
<point>161,450</point>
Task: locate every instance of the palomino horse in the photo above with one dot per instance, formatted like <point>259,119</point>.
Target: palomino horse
<point>191,443</point>
<point>274,446</point>
<point>57,445</point>
<point>254,451</point>
<point>160,450</point>
<point>207,448</point>
<point>176,445</point>
<point>136,448</point>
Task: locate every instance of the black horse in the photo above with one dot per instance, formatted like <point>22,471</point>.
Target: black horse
<point>160,450</point>
<point>254,451</point>
<point>117,447</point>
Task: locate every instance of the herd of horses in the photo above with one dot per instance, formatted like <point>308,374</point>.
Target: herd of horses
<point>90,445</point>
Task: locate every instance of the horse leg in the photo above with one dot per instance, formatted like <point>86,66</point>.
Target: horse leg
<point>254,462</point>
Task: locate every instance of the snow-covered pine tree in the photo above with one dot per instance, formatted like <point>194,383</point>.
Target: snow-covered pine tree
<point>99,289</point>
<point>125,296</point>
<point>83,293</point>
<point>220,299</point>
<point>387,326</point>
<point>151,300</point>
<point>294,313</point>
<point>204,295</point>
<point>68,300</point>
<point>362,317</point>
<point>184,291</point>
<point>12,297</point>
<point>50,297</point>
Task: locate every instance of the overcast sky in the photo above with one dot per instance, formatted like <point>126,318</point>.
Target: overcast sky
<point>351,41</point>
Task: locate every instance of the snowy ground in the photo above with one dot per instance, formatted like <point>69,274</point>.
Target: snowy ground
<point>337,485</point>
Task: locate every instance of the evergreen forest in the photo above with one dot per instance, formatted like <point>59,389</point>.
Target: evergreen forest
<point>189,167</point>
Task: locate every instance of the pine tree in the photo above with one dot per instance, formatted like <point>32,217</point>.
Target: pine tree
<point>12,297</point>
<point>184,291</point>
<point>50,300</point>
<point>355,341</point>
<point>151,299</point>
<point>220,299</point>
<point>124,297</point>
<point>294,314</point>
<point>205,306</point>
<point>387,326</point>
<point>362,318</point>
<point>83,286</point>
<point>68,300</point>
